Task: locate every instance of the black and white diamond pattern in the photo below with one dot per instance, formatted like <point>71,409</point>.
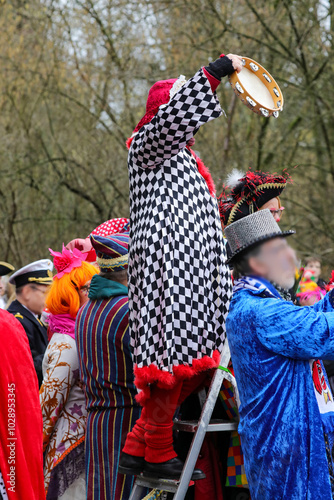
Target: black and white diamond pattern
<point>3,492</point>
<point>179,285</point>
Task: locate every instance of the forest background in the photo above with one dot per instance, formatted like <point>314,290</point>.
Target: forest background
<point>74,77</point>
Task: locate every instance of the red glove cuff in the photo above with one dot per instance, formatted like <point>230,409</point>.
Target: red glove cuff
<point>212,80</point>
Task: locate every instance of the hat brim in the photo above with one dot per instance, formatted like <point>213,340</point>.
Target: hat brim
<point>6,268</point>
<point>262,239</point>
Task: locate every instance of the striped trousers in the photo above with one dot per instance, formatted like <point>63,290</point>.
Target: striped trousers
<point>105,437</point>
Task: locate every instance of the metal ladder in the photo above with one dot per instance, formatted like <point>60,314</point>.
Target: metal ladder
<point>199,428</point>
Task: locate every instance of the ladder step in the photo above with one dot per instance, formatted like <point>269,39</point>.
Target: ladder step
<point>180,487</point>
<point>214,425</point>
<point>169,485</point>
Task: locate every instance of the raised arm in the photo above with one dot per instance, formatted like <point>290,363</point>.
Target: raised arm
<point>295,332</point>
<point>177,122</point>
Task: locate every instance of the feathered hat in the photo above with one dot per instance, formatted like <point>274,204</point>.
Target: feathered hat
<point>245,193</point>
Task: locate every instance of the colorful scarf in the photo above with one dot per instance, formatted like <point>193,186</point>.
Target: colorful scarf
<point>61,323</point>
<point>257,284</point>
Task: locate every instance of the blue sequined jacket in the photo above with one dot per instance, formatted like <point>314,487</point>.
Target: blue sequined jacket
<point>281,429</point>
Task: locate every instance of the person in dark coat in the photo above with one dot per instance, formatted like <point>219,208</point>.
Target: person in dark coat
<point>32,284</point>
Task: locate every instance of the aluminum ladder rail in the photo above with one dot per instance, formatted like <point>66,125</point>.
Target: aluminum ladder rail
<point>200,428</point>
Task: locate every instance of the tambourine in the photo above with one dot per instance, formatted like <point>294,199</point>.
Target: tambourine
<point>257,89</point>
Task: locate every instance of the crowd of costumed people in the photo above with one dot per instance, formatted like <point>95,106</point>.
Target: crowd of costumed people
<point>110,336</point>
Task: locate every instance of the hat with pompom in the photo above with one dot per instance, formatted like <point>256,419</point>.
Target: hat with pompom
<point>159,94</point>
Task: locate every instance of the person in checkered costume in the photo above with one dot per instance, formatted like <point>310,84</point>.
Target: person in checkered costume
<point>179,285</point>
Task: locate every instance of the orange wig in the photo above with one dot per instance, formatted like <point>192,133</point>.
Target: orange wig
<point>63,297</point>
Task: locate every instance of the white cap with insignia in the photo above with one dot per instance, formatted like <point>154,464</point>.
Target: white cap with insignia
<point>38,272</point>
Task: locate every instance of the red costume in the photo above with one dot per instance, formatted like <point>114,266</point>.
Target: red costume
<point>21,426</point>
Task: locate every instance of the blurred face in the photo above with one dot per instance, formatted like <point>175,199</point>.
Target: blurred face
<point>276,262</point>
<point>275,208</point>
<point>315,267</point>
<point>83,293</point>
<point>34,297</point>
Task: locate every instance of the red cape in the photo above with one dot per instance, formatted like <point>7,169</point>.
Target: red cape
<point>21,424</point>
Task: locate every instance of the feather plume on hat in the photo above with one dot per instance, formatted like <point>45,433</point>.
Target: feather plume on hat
<point>234,178</point>
<point>245,193</point>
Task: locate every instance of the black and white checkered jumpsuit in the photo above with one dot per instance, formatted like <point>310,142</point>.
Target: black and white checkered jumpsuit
<point>179,284</point>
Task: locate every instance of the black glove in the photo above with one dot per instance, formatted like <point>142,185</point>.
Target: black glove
<point>220,68</point>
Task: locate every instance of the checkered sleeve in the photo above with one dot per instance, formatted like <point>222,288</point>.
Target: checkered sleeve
<point>176,123</point>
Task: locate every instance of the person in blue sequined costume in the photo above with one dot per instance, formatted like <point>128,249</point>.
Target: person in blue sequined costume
<point>287,409</point>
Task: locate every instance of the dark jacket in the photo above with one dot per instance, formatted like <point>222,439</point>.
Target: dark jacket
<point>36,333</point>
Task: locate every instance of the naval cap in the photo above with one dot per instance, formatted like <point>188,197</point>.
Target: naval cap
<point>38,272</point>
